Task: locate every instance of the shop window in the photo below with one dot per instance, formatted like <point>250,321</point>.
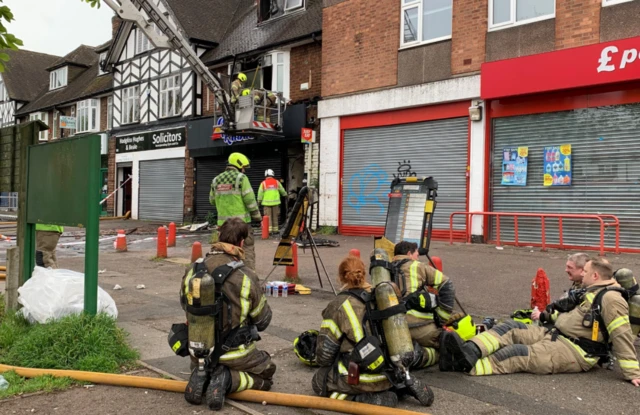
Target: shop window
<point>612,2</point>
<point>426,21</point>
<point>44,117</point>
<point>170,99</point>
<point>88,115</point>
<point>58,78</point>
<point>130,105</point>
<point>506,13</point>
<point>109,113</point>
<point>4,96</point>
<point>271,9</point>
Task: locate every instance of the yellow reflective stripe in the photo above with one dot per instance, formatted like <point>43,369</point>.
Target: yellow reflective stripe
<point>479,368</point>
<point>243,382</point>
<point>187,280</point>
<point>489,342</point>
<point>432,356</point>
<point>254,313</point>
<point>332,327</point>
<point>620,321</point>
<point>244,299</point>
<point>419,314</point>
<point>629,364</point>
<point>488,370</point>
<point>437,278</point>
<point>443,314</point>
<point>589,360</point>
<point>378,362</point>
<point>413,272</point>
<point>590,297</point>
<point>241,351</point>
<point>249,381</point>
<point>353,319</point>
<point>364,378</point>
<point>338,396</point>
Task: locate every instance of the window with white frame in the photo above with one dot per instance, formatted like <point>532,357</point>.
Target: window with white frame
<point>271,9</point>
<point>88,118</point>
<point>4,96</point>
<point>425,21</point>
<point>102,58</point>
<point>42,116</point>
<point>109,113</point>
<point>170,99</point>
<point>280,81</point>
<point>130,105</point>
<point>143,43</point>
<point>290,5</point>
<point>612,2</point>
<point>58,78</point>
<point>505,13</point>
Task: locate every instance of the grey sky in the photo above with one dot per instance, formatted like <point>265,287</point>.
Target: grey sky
<point>58,26</point>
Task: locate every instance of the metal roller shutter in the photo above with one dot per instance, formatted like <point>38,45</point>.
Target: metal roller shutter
<point>161,194</point>
<point>372,156</point>
<point>207,168</point>
<point>605,147</point>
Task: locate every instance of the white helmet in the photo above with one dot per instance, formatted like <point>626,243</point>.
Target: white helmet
<point>268,173</point>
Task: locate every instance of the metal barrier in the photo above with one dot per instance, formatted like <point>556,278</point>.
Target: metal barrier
<point>9,201</point>
<point>604,220</point>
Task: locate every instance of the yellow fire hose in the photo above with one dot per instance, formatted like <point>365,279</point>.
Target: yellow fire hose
<point>272,398</point>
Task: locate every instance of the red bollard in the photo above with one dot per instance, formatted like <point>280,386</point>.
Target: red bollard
<point>196,251</point>
<point>265,227</point>
<point>355,253</point>
<point>172,234</point>
<point>291,271</point>
<point>162,243</point>
<point>437,262</point>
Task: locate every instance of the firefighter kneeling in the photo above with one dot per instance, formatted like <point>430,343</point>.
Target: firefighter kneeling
<point>595,325</point>
<point>355,365</point>
<point>226,309</point>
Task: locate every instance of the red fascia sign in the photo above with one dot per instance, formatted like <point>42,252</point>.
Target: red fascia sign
<point>599,64</point>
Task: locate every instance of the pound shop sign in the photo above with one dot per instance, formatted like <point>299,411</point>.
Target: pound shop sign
<point>155,140</point>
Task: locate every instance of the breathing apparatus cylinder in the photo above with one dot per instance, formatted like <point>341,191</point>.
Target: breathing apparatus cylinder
<point>625,278</point>
<point>395,328</point>
<point>200,293</point>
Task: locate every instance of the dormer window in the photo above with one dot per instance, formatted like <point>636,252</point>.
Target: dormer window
<point>271,9</point>
<point>58,78</point>
<point>101,59</point>
<point>290,5</point>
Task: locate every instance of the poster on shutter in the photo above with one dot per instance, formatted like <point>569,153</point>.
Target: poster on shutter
<point>514,166</point>
<point>557,165</point>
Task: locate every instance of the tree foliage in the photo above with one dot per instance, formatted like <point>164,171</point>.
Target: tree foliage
<point>9,41</point>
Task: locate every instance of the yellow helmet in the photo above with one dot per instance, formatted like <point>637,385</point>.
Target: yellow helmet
<point>242,77</point>
<point>464,327</point>
<point>246,92</point>
<point>238,160</point>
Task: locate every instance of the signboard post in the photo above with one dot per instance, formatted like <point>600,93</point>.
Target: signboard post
<point>68,122</point>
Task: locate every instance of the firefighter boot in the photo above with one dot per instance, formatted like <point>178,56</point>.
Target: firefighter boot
<point>196,386</point>
<point>446,360</point>
<point>386,398</point>
<point>421,392</point>
<point>464,355</point>
<point>218,387</point>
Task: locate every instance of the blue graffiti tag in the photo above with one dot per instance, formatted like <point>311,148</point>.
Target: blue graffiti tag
<point>368,186</point>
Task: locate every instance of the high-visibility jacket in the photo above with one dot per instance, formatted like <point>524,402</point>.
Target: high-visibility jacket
<point>49,228</point>
<point>232,195</point>
<point>270,191</point>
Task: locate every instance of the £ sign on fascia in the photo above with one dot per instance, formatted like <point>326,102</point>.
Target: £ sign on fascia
<point>610,56</point>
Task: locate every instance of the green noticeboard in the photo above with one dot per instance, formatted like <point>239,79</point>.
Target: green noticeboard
<point>63,188</point>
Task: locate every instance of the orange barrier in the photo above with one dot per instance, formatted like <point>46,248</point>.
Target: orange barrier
<point>291,271</point>
<point>121,241</point>
<point>162,243</point>
<point>172,234</point>
<point>265,227</point>
<point>196,251</point>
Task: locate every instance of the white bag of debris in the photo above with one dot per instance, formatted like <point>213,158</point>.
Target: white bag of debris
<point>56,293</point>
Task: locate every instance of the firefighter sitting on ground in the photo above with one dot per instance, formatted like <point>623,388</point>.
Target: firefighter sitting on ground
<point>269,194</point>
<point>345,333</point>
<point>579,338</point>
<point>237,87</point>
<point>429,296</point>
<point>244,312</point>
<point>233,197</point>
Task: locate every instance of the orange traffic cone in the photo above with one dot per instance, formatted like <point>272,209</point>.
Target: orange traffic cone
<point>121,241</point>
<point>196,251</point>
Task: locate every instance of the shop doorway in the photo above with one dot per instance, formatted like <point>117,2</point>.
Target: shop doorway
<point>125,193</point>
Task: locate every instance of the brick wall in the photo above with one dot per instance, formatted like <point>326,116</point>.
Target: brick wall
<point>306,67</point>
<point>468,35</point>
<point>111,174</point>
<point>103,113</point>
<point>577,23</point>
<point>360,43</point>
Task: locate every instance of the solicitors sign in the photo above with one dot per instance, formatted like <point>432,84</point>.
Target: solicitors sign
<point>155,140</point>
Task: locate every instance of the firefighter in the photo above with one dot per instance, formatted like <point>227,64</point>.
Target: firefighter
<point>47,237</point>
<point>237,87</point>
<point>438,296</point>
<point>269,194</point>
<point>241,366</point>
<point>232,195</point>
<point>341,329</point>
<point>574,268</point>
<point>579,338</point>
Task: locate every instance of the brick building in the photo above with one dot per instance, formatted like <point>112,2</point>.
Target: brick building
<point>442,88</point>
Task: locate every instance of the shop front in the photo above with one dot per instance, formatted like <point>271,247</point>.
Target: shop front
<point>565,139</point>
<point>284,156</point>
<point>155,161</point>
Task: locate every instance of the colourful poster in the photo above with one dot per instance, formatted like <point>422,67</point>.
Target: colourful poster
<point>557,165</point>
<point>514,166</point>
